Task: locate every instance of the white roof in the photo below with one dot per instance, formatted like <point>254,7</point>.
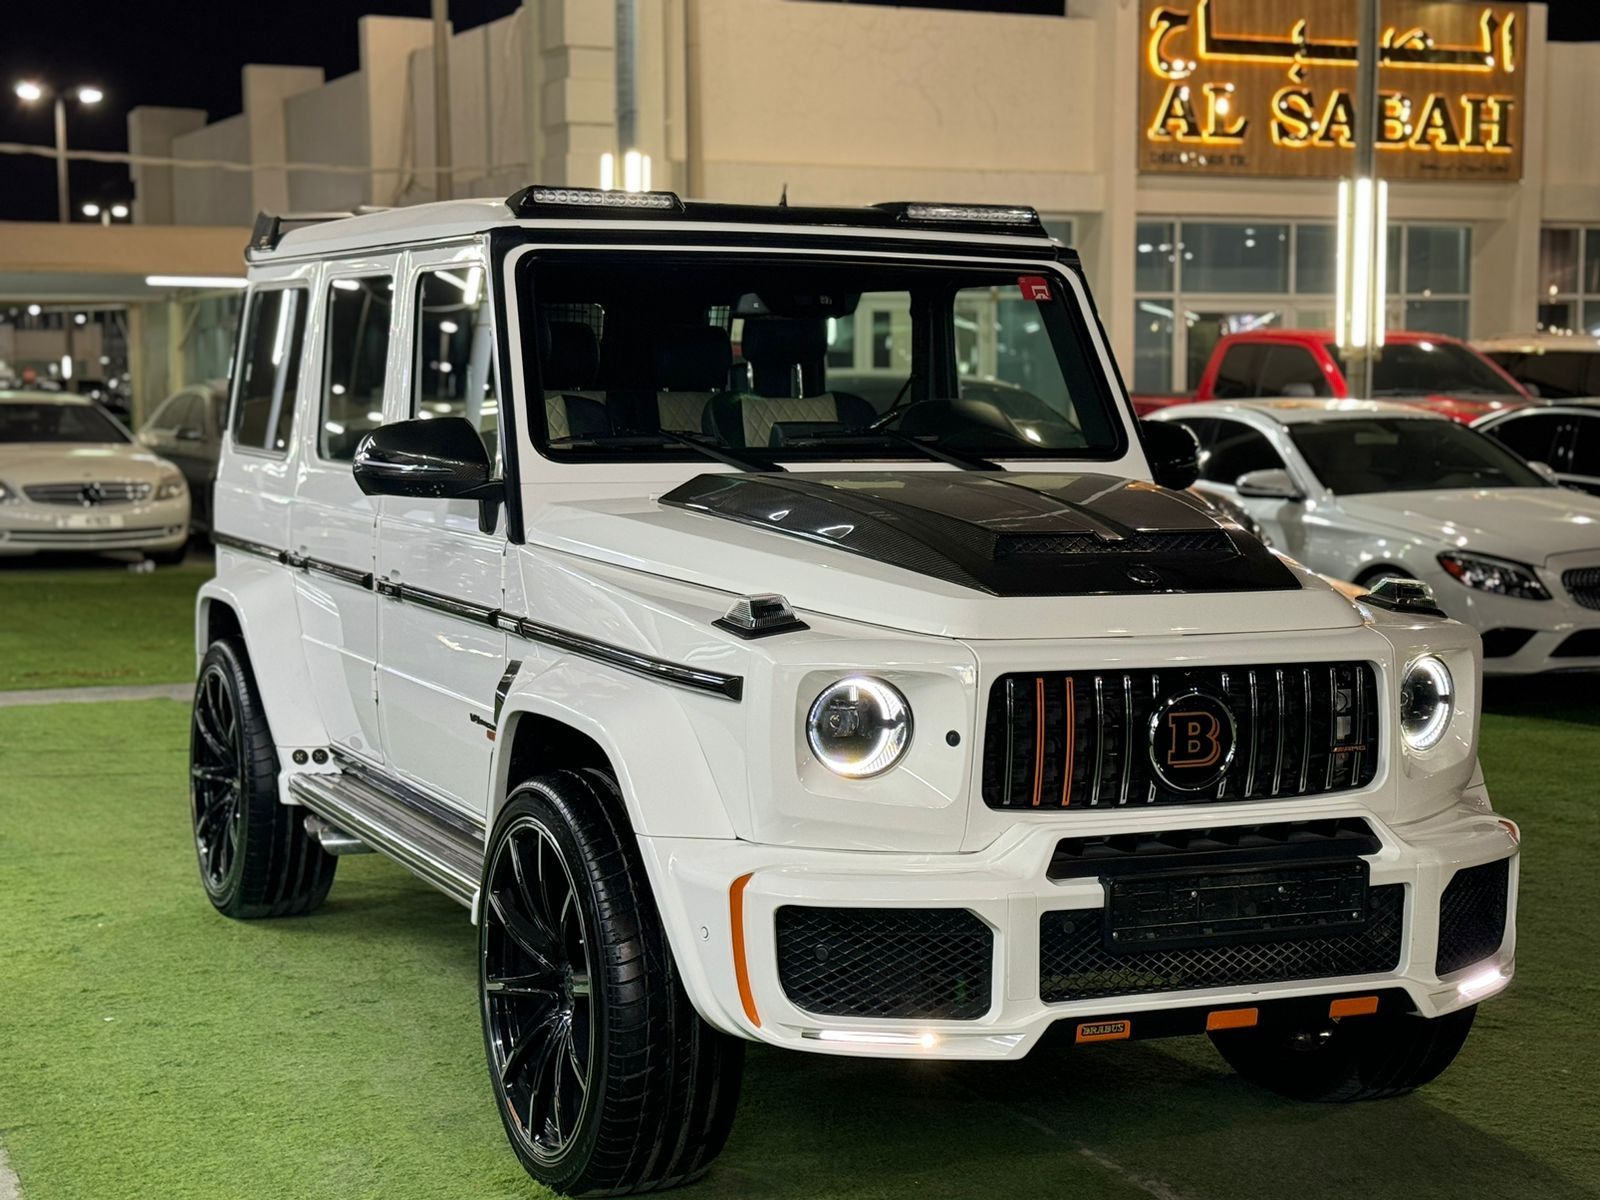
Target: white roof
<point>1296,411</point>
<point>1537,343</point>
<point>39,397</point>
<point>417,223</point>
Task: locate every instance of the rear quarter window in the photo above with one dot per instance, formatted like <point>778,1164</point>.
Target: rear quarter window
<point>269,369</point>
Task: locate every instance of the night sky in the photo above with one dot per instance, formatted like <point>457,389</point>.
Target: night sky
<point>189,55</point>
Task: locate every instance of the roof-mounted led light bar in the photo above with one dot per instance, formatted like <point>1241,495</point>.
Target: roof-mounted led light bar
<point>531,201</point>
<point>977,214</point>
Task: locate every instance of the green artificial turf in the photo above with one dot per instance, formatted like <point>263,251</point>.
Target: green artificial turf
<point>148,1047</point>
<point>96,623</point>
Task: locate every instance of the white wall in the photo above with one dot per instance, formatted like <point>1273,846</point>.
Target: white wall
<point>328,125</point>
<point>1572,145</point>
<point>213,196</point>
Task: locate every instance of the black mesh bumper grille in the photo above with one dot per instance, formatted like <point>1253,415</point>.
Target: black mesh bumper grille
<point>1081,739</point>
<point>1472,916</point>
<point>1583,585</point>
<point>1075,965</point>
<point>911,964</point>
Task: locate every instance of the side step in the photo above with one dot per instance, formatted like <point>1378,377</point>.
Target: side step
<point>444,848</point>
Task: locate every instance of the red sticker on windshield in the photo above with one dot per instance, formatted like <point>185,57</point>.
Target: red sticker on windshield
<point>1034,287</point>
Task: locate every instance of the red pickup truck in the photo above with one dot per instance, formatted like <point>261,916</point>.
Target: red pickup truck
<point>1434,371</point>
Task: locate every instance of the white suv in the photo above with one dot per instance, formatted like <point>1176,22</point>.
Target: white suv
<point>738,706</point>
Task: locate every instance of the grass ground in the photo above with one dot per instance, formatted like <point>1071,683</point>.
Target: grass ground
<point>93,623</point>
<point>149,1047</point>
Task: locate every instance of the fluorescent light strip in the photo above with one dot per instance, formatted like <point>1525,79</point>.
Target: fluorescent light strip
<point>195,281</point>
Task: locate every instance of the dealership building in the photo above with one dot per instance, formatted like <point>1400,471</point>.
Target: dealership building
<point>1189,148</point>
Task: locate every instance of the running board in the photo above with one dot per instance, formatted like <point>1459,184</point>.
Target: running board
<point>437,845</point>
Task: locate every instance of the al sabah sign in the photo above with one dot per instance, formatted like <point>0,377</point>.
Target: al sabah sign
<point>1266,88</point>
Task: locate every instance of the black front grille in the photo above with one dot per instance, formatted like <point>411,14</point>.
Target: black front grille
<point>1081,739</point>
<point>1196,849</point>
<point>1583,585</point>
<point>1503,643</point>
<point>907,963</point>
<point>1213,541</point>
<point>87,493</point>
<point>1075,965</point>
<point>1472,916</point>
<point>1583,644</point>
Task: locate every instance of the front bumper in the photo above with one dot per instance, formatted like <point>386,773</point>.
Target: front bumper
<point>1527,637</point>
<point>28,528</point>
<point>720,901</point>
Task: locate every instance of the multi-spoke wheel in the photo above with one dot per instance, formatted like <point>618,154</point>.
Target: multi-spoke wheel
<point>536,988</point>
<point>606,1078</point>
<point>256,859</point>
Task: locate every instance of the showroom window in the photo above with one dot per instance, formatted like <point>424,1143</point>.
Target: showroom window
<point>1197,281</point>
<point>269,370</point>
<point>1569,279</point>
<point>357,363</point>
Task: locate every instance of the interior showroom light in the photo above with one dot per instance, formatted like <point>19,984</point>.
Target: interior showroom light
<point>635,172</point>
<point>194,281</point>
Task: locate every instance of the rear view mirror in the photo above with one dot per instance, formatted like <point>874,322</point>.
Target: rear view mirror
<point>1173,453</point>
<point>441,459</point>
<point>1271,484</point>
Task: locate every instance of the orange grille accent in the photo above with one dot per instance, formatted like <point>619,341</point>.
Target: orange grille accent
<point>1038,739</point>
<point>1072,733</point>
<point>741,968</point>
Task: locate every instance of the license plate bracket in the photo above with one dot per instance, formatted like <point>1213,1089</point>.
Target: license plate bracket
<point>1179,909</point>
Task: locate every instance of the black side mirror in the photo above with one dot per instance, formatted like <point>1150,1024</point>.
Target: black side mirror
<point>440,459</point>
<point>1173,453</point>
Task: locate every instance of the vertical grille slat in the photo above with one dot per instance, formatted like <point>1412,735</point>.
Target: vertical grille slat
<point>1303,730</point>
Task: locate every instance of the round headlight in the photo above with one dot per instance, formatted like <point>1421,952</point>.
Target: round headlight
<point>859,727</point>
<point>1427,697</point>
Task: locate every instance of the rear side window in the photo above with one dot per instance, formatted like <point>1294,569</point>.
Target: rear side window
<point>357,363</point>
<point>1239,372</point>
<point>1534,437</point>
<point>1292,371</point>
<point>1586,447</point>
<point>269,369</point>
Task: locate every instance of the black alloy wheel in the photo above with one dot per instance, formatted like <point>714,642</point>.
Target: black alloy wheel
<point>256,858</point>
<point>538,998</point>
<point>216,774</point>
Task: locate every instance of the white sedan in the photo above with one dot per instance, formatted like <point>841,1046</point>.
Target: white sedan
<point>1359,490</point>
<point>71,478</point>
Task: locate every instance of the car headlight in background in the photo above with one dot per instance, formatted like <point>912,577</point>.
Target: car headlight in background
<point>171,488</point>
<point>1494,575</point>
<point>859,727</point>
<point>1427,699</point>
<point>6,494</point>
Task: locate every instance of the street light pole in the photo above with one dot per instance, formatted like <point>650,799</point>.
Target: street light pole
<point>61,159</point>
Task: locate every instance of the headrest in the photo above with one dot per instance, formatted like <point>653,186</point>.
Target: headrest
<point>783,340</point>
<point>572,357</point>
<point>693,358</point>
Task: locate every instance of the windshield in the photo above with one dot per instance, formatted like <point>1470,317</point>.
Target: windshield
<point>766,359</point>
<point>1406,454</point>
<point>1433,368</point>
<point>43,421</point>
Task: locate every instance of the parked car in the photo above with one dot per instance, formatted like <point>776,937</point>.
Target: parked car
<point>893,754</point>
<point>1362,490</point>
<point>72,478</point>
<point>186,429</point>
<point>1555,366</point>
<point>1563,436</point>
<point>1429,370</point>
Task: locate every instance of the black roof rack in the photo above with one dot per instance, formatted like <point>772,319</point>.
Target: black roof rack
<point>270,227</point>
<point>543,201</point>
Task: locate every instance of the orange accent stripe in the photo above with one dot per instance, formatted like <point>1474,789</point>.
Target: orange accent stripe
<point>1038,738</point>
<point>1231,1018</point>
<point>1072,733</point>
<point>1353,1006</point>
<point>741,968</point>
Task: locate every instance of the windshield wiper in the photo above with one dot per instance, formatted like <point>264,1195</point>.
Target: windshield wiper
<point>695,441</point>
<point>967,462</point>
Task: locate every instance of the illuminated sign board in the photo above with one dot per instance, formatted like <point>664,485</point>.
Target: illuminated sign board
<point>1267,88</point>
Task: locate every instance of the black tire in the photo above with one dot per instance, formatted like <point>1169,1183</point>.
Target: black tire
<point>1358,1058</point>
<point>169,558</point>
<point>256,858</point>
<point>606,1078</point>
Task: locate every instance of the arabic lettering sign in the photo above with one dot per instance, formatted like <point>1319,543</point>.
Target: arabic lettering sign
<point>1267,87</point>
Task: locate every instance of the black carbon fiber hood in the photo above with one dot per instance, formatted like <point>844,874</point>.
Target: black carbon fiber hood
<point>1010,534</point>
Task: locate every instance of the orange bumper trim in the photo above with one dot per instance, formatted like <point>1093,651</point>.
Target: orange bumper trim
<point>741,968</point>
<point>1231,1018</point>
<point>1353,1006</point>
